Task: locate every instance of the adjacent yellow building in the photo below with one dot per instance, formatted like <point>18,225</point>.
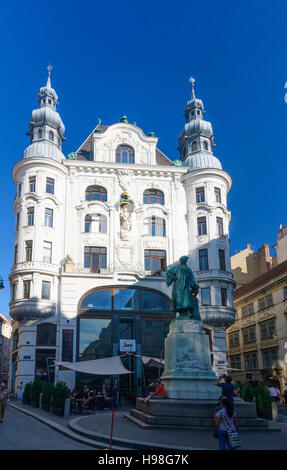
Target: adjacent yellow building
<point>257,341</point>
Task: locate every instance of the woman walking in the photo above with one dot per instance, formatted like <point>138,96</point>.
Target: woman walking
<point>225,418</point>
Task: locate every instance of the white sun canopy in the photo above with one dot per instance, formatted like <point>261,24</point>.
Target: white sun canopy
<point>106,366</point>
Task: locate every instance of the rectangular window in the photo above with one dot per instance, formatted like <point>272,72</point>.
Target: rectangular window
<point>50,185</point>
<point>48,217</point>
<point>67,345</point>
<point>95,258</point>
<point>46,290</point>
<point>250,308</point>
<point>203,260</point>
<point>261,303</point>
<point>200,197</point>
<point>17,221</point>
<point>219,226</point>
<point>47,252</point>
<point>205,296</point>
<point>249,335</point>
<point>250,360</point>
<point>201,224</point>
<point>16,254</point>
<point>28,250</point>
<point>222,265</point>
<point>155,261</point>
<point>235,361</point>
<point>30,214</point>
<point>217,195</point>
<point>267,329</point>
<point>270,358</point>
<point>27,289</point>
<point>32,184</point>
<point>14,291</point>
<point>268,300</point>
<point>244,311</point>
<point>19,190</point>
<point>224,296</point>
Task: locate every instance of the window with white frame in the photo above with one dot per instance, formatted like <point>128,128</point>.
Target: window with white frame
<point>205,296</point>
<point>50,184</point>
<point>219,226</point>
<point>201,225</point>
<point>32,184</point>
<point>96,223</point>
<point>26,289</point>
<point>47,252</point>
<point>48,217</point>
<point>217,195</point>
<point>30,215</point>
<point>46,289</point>
<point>28,250</point>
<point>200,196</point>
<point>154,226</point>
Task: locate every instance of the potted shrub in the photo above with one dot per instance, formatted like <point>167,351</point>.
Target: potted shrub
<point>47,394</point>
<point>36,389</point>
<point>60,393</point>
<point>26,399</point>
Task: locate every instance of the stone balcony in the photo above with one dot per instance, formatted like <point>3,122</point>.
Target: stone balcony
<point>28,266</point>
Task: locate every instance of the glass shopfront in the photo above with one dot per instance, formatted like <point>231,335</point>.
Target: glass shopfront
<point>108,315</point>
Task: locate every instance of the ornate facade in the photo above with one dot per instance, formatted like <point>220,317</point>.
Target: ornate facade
<point>95,233</point>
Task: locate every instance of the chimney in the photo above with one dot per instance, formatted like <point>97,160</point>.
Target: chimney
<point>265,260</point>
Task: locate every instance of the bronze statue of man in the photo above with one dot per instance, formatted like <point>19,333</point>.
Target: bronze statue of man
<point>184,290</point>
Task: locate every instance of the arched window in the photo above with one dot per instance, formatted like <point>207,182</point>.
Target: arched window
<point>193,146</point>
<point>153,196</point>
<point>125,298</point>
<point>205,145</point>
<point>39,134</point>
<point>125,154</point>
<point>96,193</point>
<point>46,334</point>
<point>154,226</point>
<point>51,136</point>
<point>96,223</point>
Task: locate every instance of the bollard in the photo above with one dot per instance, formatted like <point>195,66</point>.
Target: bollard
<point>67,407</point>
<point>274,409</point>
<point>40,401</point>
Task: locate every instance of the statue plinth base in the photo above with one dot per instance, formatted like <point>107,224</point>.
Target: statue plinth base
<point>188,374</point>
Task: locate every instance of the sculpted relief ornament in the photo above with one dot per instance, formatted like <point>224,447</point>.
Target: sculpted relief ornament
<point>126,209</point>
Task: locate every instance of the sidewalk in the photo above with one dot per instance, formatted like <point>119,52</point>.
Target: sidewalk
<point>94,430</point>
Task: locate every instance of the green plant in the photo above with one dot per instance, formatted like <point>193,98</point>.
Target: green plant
<point>36,389</point>
<point>27,392</point>
<point>263,402</point>
<point>60,393</point>
<point>48,390</point>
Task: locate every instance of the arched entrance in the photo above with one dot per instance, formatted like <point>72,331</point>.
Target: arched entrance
<point>111,317</point>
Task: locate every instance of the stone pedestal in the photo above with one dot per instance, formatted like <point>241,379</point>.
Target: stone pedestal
<point>188,373</point>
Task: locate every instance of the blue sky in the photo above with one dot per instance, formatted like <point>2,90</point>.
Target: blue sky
<point>135,58</point>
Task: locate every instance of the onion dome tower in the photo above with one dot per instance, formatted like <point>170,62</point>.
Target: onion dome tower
<point>46,126</point>
<point>206,185</point>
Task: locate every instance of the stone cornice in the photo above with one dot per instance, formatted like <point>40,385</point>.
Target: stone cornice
<point>118,168</point>
<point>36,162</point>
<point>209,172</point>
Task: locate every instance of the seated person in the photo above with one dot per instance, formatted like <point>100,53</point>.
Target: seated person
<point>159,391</point>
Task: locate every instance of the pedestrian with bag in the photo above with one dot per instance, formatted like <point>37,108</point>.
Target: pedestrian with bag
<point>3,400</point>
<point>227,424</point>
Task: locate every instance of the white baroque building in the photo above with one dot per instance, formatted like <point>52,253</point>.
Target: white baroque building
<point>94,235</point>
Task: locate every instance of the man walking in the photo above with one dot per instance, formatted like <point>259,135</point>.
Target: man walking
<point>3,400</point>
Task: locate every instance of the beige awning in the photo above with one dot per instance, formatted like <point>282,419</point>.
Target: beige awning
<point>106,366</point>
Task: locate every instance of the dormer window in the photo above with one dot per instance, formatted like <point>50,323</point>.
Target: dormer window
<point>125,154</point>
<point>39,134</point>
<point>197,111</point>
<point>194,146</point>
<point>50,101</point>
<point>51,136</point>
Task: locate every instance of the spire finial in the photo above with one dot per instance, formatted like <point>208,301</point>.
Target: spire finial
<point>49,67</point>
<point>192,81</point>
